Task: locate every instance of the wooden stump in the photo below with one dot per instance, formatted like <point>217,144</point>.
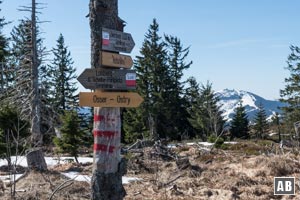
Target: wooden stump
<point>36,160</point>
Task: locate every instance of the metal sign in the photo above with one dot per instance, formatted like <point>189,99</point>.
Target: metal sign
<point>109,79</point>
<point>116,60</point>
<point>116,41</point>
<point>110,99</point>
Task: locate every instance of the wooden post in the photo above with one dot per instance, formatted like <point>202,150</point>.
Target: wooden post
<point>107,176</point>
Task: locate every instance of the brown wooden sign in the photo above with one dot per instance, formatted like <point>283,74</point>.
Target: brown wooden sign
<point>109,79</point>
<point>116,60</point>
<point>116,41</point>
<point>110,99</point>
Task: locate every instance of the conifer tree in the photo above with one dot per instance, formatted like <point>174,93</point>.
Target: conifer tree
<point>239,124</point>
<point>62,78</point>
<point>176,122</point>
<point>261,126</point>
<point>71,135</point>
<point>290,94</point>
<point>206,116</point>
<point>152,79</point>
<point>5,74</point>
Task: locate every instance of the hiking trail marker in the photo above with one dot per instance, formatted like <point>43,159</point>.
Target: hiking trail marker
<point>116,41</point>
<point>108,79</point>
<point>110,99</point>
<point>116,60</point>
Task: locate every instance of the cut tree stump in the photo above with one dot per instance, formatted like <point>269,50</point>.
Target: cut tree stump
<point>36,160</point>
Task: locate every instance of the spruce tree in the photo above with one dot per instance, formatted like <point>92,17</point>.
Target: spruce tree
<point>62,78</point>
<point>71,135</point>
<point>152,79</point>
<point>176,123</point>
<point>261,125</point>
<point>205,114</point>
<point>5,74</point>
<point>239,124</point>
<point>290,94</point>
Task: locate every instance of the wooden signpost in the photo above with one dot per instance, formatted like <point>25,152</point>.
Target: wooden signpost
<point>117,41</point>
<point>109,79</point>
<point>116,60</point>
<point>110,99</point>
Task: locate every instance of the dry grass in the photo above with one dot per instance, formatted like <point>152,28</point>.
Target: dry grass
<point>220,175</point>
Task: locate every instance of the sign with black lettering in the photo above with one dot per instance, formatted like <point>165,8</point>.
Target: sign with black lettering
<point>116,41</point>
<point>108,79</point>
<point>116,60</point>
<point>110,99</point>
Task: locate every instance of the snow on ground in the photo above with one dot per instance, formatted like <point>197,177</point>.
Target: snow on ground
<point>52,161</point>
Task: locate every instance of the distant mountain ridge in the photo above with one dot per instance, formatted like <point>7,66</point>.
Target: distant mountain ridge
<point>229,99</point>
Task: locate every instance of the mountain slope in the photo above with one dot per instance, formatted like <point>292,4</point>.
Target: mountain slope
<point>229,101</point>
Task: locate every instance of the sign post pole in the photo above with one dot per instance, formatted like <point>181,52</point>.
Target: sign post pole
<point>107,176</point>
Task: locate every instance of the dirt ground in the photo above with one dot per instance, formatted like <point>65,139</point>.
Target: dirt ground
<point>241,171</point>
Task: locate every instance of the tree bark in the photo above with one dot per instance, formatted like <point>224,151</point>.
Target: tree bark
<point>35,159</point>
<point>107,173</point>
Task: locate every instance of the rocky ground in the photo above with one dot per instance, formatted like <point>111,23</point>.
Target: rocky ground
<point>239,171</point>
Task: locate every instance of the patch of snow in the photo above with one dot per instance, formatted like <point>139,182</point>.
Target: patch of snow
<point>51,161</point>
<point>190,143</point>
<point>10,178</point>
<point>230,142</point>
<point>206,143</point>
<point>127,180</point>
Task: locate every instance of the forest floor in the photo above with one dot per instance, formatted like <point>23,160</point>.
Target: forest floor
<point>245,170</point>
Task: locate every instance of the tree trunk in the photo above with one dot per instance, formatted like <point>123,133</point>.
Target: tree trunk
<point>107,175</point>
<point>35,158</point>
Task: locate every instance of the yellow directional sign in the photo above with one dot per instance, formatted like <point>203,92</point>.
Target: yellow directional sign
<point>110,99</point>
<point>116,60</point>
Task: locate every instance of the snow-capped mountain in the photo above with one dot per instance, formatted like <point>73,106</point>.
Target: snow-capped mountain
<point>229,100</point>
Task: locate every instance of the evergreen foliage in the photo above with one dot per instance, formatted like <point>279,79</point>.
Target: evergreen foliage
<point>291,93</point>
<point>71,134</point>
<point>205,114</point>
<point>14,132</point>
<point>159,72</point>
<point>239,124</point>
<point>5,74</point>
<point>62,78</point>
<point>261,125</point>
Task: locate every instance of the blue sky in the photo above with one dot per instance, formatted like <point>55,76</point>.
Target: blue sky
<point>235,44</point>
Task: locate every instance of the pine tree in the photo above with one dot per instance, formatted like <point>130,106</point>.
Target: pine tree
<point>62,78</point>
<point>239,124</point>
<point>13,132</point>
<point>206,116</point>
<point>5,75</point>
<point>290,94</point>
<point>261,126</point>
<point>71,135</point>
<point>176,123</point>
<point>152,79</point>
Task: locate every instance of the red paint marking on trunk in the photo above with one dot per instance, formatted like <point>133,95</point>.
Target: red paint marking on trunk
<point>103,148</point>
<point>98,118</point>
<point>98,133</point>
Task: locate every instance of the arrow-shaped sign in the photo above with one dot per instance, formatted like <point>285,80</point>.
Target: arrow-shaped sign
<point>110,99</point>
<point>116,60</point>
<point>109,79</point>
<point>116,41</point>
